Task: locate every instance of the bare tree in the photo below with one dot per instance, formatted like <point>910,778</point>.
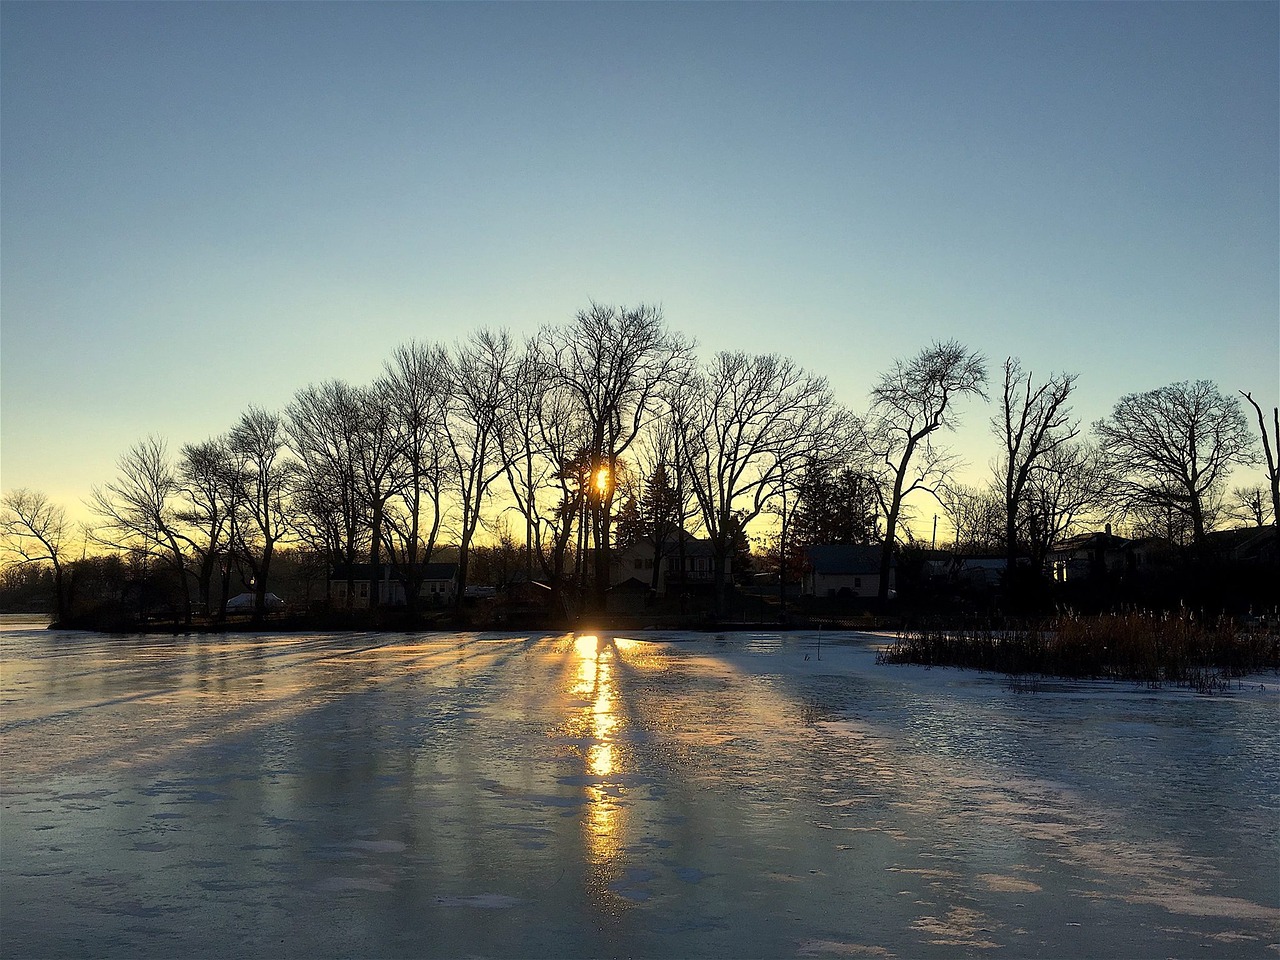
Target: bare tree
<point>746,419</point>
<point>529,464</point>
<point>1033,421</point>
<point>205,475</point>
<point>141,511</point>
<point>548,472</point>
<point>1252,505</point>
<point>1068,485</point>
<point>1172,448</point>
<point>479,375</point>
<point>415,514</point>
<point>34,531</point>
<point>377,451</point>
<point>615,363</point>
<point>323,426</point>
<point>1271,448</point>
<point>263,475</point>
<point>977,516</point>
<point>1152,521</point>
<point>909,404</point>
<point>664,506</point>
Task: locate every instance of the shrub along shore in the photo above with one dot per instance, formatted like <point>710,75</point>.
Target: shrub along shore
<point>1146,647</point>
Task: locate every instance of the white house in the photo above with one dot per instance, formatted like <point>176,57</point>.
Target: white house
<point>845,570</point>
<point>683,562</point>
<point>439,584</point>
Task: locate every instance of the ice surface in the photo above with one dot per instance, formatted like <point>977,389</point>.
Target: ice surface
<point>675,795</point>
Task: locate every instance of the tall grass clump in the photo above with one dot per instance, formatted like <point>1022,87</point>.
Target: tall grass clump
<point>1149,647</point>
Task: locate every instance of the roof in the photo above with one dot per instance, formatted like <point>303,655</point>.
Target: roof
<point>693,547</point>
<point>1089,541</point>
<point>845,559</point>
<point>1240,542</point>
<point>364,571</point>
<point>631,585</point>
<point>245,601</point>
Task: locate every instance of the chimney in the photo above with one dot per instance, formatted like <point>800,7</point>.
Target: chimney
<point>1108,529</point>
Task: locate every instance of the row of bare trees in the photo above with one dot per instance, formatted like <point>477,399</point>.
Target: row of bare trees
<point>1159,464</point>
<point>612,421</point>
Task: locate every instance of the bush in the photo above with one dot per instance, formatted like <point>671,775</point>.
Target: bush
<point>1148,647</point>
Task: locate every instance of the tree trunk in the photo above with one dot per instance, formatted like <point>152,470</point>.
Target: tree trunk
<point>718,568</point>
<point>1197,521</point>
<point>375,555</point>
<point>886,552</point>
<point>601,518</point>
<point>59,592</point>
<point>460,590</point>
<point>205,584</point>
<point>260,586</point>
<point>655,578</point>
<point>782,563</point>
<point>1011,546</point>
<point>891,519</point>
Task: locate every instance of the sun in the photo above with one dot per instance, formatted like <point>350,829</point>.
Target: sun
<point>603,479</point>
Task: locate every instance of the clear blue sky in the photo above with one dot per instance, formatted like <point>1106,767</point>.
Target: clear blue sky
<point>207,206</point>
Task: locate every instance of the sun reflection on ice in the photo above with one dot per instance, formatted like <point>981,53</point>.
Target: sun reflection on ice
<point>602,723</point>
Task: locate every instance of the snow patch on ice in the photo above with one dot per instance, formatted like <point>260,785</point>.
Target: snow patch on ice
<point>1002,884</point>
<point>961,927</point>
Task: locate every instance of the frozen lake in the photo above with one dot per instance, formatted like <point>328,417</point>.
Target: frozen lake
<point>497,795</point>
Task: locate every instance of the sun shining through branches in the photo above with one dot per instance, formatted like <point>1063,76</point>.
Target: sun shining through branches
<point>603,481</point>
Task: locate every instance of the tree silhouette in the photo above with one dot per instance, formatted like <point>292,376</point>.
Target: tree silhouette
<point>1033,421</point>
<point>1271,448</point>
<point>909,404</point>
<point>34,531</point>
<point>1172,448</point>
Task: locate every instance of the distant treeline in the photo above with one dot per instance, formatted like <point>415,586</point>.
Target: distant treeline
<point>609,429</point>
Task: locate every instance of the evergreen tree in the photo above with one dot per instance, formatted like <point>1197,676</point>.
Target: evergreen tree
<point>834,506</point>
<point>629,524</point>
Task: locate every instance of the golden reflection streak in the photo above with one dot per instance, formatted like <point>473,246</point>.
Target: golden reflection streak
<point>596,682</point>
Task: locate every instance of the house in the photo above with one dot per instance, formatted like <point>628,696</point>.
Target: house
<point>846,570</point>
<point>1151,554</point>
<point>438,584</point>
<point>1088,555</point>
<point>684,563</point>
<point>987,569</point>
<point>1102,553</point>
<point>1246,545</point>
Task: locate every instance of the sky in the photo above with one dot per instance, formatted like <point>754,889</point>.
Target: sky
<point>208,206</point>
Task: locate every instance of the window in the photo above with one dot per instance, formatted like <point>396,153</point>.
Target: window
<point>364,590</point>
<point>857,581</point>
